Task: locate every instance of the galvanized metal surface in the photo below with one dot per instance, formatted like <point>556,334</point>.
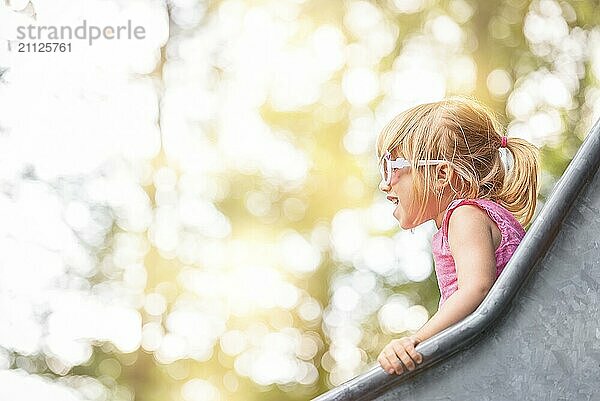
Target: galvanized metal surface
<point>536,336</point>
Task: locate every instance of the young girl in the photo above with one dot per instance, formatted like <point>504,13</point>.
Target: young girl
<point>447,161</point>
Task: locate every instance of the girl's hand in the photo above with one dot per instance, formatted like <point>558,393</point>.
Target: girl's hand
<point>403,348</point>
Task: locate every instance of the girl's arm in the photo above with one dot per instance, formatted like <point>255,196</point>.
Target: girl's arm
<point>471,243</point>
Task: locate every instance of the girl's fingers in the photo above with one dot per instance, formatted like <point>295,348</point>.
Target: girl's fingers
<point>399,355</point>
<point>385,363</point>
<point>410,349</point>
<point>401,352</point>
<point>395,364</point>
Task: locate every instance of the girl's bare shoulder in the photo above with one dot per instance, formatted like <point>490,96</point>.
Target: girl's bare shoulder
<point>468,220</point>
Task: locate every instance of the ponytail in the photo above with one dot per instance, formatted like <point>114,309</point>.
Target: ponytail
<point>519,190</point>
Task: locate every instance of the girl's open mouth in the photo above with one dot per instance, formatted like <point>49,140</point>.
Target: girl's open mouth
<point>392,199</point>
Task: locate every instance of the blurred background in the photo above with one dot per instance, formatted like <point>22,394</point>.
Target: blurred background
<point>195,216</point>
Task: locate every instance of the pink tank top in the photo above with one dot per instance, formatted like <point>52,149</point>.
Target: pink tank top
<point>512,234</point>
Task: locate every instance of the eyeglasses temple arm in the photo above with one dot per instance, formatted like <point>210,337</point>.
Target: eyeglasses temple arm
<point>431,162</point>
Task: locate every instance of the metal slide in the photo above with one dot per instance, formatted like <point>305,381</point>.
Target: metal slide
<point>536,336</point>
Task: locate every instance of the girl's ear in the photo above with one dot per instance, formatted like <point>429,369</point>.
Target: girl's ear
<point>447,176</point>
<point>442,175</point>
<point>440,179</point>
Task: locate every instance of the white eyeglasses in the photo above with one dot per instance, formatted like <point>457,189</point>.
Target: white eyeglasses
<point>388,165</point>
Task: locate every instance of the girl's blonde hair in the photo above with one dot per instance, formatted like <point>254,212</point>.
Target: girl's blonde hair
<point>468,134</point>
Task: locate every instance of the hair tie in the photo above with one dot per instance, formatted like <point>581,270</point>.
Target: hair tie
<point>506,156</point>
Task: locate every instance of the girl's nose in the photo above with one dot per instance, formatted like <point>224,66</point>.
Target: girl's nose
<point>383,186</point>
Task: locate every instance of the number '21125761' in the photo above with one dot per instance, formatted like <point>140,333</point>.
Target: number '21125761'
<point>43,47</point>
